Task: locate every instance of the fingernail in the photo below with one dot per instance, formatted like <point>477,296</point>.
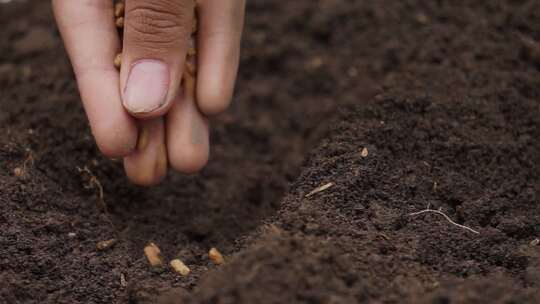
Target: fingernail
<point>147,86</point>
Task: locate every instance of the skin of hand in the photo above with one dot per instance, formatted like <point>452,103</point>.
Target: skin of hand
<point>142,112</point>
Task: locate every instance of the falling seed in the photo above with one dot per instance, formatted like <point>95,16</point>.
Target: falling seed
<point>180,267</point>
<point>105,244</point>
<point>535,242</point>
<point>153,254</point>
<point>364,152</point>
<point>216,256</point>
<point>118,61</point>
<point>320,189</point>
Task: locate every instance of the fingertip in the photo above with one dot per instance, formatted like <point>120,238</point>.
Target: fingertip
<point>116,141</point>
<point>147,165</point>
<point>213,101</point>
<point>149,115</point>
<point>190,159</point>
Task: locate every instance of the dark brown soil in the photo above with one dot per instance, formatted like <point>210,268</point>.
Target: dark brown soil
<point>444,95</point>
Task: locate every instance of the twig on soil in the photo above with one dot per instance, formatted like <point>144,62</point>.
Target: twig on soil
<point>429,210</point>
<point>320,189</point>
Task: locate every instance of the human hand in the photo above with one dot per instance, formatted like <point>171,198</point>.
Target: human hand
<point>141,112</point>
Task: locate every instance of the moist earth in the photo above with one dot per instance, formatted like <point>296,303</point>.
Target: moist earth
<point>402,106</point>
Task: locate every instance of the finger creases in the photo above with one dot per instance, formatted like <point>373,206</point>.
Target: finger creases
<point>155,43</point>
<point>90,37</point>
<point>147,165</point>
<point>220,31</point>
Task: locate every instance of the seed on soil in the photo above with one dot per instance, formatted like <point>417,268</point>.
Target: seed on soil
<point>19,172</point>
<point>320,189</point>
<point>535,242</point>
<point>153,255</point>
<point>215,256</point>
<point>180,267</point>
<point>118,61</point>
<point>364,152</point>
<point>103,245</point>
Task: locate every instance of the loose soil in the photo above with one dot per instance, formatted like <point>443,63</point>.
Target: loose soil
<point>443,95</point>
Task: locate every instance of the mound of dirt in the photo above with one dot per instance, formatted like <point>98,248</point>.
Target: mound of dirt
<point>397,106</point>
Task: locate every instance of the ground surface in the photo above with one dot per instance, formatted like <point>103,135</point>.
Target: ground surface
<point>443,95</point>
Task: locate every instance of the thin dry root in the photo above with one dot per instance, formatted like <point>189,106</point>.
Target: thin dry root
<point>427,210</point>
<point>29,161</point>
<point>320,189</point>
<point>215,256</point>
<point>153,255</point>
<point>180,267</point>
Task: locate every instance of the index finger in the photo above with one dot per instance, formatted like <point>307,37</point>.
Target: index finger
<point>92,42</point>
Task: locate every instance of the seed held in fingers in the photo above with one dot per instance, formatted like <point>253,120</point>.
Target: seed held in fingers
<point>215,256</point>
<point>119,22</point>
<point>144,135</point>
<point>119,9</point>
<point>118,61</point>
<point>153,255</point>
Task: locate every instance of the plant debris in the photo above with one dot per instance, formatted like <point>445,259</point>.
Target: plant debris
<point>103,245</point>
<point>446,217</point>
<point>320,189</point>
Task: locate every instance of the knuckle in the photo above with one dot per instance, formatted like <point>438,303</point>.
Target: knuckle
<point>157,22</point>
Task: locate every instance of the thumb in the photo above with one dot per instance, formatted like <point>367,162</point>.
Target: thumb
<point>156,37</point>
